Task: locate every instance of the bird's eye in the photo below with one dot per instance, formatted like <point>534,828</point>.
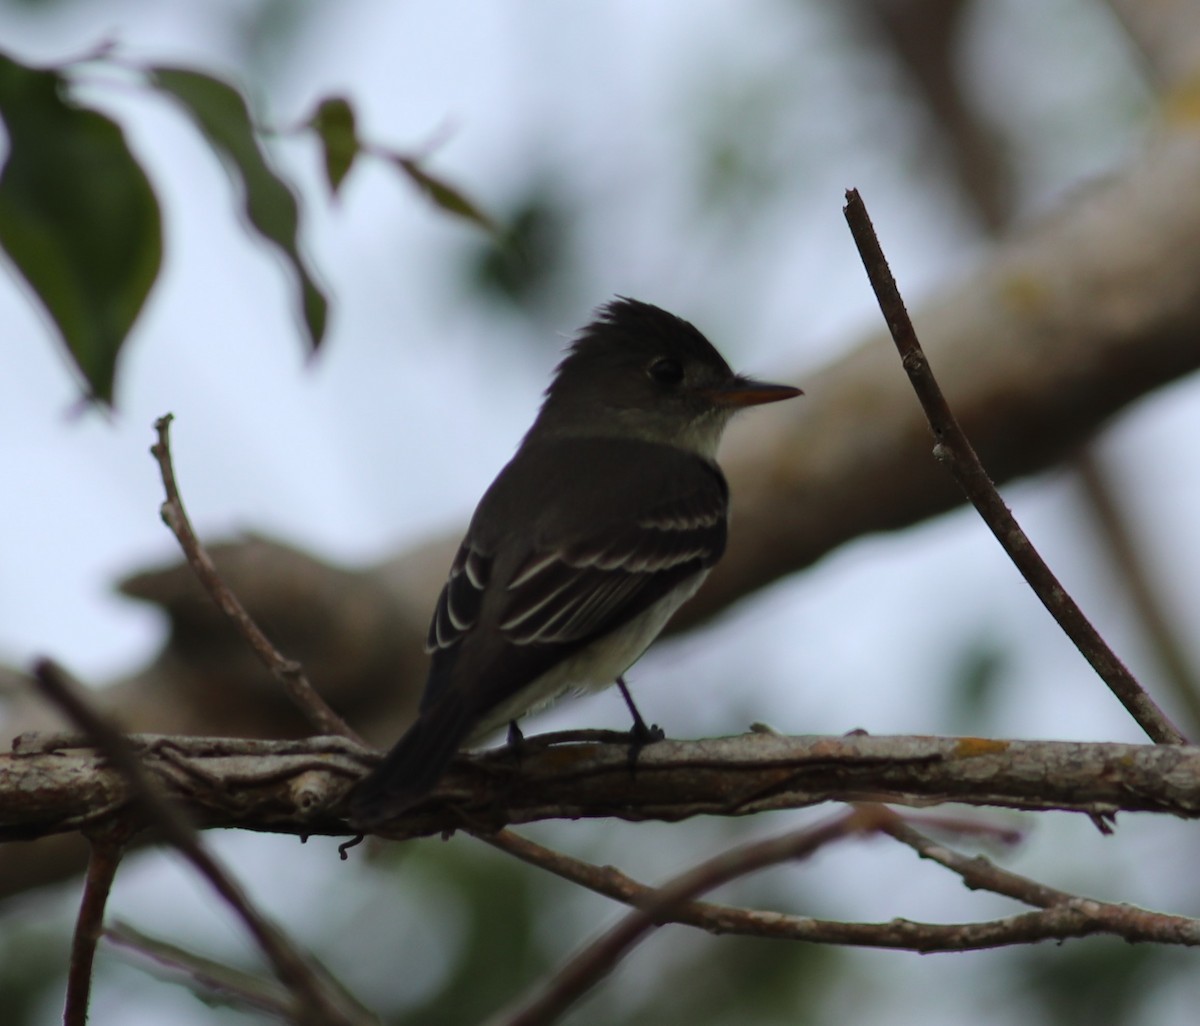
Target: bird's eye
<point>666,371</point>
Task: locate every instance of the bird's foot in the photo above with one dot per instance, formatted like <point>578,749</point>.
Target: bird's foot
<point>641,735</point>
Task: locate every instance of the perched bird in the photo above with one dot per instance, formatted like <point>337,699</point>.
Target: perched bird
<point>609,516</point>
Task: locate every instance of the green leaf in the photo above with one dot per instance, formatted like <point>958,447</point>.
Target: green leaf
<point>523,265</point>
<point>442,193</point>
<point>78,218</point>
<point>333,121</point>
<point>220,112</point>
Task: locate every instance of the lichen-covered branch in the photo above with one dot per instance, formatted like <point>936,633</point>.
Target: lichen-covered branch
<point>294,786</point>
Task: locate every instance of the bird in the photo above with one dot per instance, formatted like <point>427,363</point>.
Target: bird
<point>609,516</point>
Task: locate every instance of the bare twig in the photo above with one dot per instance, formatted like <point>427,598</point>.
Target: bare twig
<point>977,872</point>
<point>595,961</point>
<point>288,672</point>
<point>927,41</point>
<point>1064,915</point>
<point>104,858</point>
<point>960,826</point>
<point>313,1000</point>
<point>955,450</point>
<point>212,981</point>
<point>980,873</point>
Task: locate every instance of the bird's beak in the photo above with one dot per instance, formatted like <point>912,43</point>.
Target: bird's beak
<point>740,391</point>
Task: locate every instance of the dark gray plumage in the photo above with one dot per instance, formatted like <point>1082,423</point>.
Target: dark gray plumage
<point>608,517</point>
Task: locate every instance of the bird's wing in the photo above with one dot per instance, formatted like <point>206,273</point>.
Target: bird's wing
<point>461,600</point>
<point>556,598</point>
<point>573,593</point>
<point>556,558</point>
<point>568,594</point>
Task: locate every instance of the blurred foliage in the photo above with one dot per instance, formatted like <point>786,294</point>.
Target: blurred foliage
<point>334,123</point>
<point>728,980</point>
<point>975,682</point>
<point>525,265</point>
<point>498,902</point>
<point>33,961</point>
<point>40,6</point>
<point>263,36</point>
<point>1102,980</point>
<point>746,148</point>
<point>509,939</point>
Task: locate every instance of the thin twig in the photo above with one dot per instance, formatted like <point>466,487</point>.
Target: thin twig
<point>979,873</point>
<point>955,450</point>
<point>313,1002</point>
<point>1064,916</point>
<point>103,860</point>
<point>961,826</point>
<point>288,672</point>
<point>212,981</point>
<point>586,968</point>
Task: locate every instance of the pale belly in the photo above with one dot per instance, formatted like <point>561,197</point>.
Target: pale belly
<point>592,669</point>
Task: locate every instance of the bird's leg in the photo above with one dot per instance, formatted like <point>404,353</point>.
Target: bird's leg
<point>641,735</point>
<point>640,732</point>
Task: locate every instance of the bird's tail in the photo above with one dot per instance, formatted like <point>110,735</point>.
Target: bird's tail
<point>414,765</point>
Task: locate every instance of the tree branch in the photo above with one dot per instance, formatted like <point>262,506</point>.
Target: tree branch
<point>1065,917</point>
<point>214,982</point>
<point>314,1002</point>
<point>294,787</point>
<point>980,873</point>
<point>105,857</point>
<point>1140,586</point>
<point>956,451</point>
<point>1048,337</point>
<point>585,969</point>
<point>288,672</point>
